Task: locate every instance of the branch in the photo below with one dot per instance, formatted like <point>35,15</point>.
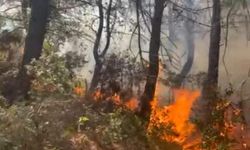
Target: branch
<point>138,4</point>
<point>99,32</point>
<point>108,29</point>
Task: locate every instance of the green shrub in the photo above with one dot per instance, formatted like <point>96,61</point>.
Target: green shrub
<point>50,73</point>
<point>17,129</point>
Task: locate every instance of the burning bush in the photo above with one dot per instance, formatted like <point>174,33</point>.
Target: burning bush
<point>225,128</point>
<point>171,123</point>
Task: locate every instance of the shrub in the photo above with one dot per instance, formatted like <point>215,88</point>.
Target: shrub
<point>17,129</point>
<point>51,73</point>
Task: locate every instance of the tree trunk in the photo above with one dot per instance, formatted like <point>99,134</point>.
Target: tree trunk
<point>209,92</point>
<point>99,57</point>
<point>37,29</point>
<point>153,69</point>
<point>33,48</point>
<point>214,49</point>
<point>98,65</point>
<point>96,77</point>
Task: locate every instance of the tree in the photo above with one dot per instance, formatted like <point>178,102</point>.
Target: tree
<point>214,46</point>
<point>153,69</point>
<point>99,56</point>
<point>33,48</point>
<point>209,92</point>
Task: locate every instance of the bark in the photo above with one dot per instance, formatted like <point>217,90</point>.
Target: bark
<point>153,69</point>
<point>33,48</point>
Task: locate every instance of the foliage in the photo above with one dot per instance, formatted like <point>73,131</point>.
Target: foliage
<point>50,73</point>
<point>121,72</point>
<point>192,80</point>
<point>116,127</point>
<point>74,60</point>
<point>17,128</point>
<point>122,125</point>
<point>215,132</point>
<point>159,130</point>
<point>47,125</point>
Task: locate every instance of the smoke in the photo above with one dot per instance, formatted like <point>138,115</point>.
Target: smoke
<point>188,32</point>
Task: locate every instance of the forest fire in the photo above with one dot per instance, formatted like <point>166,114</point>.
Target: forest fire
<point>171,124</point>
<point>119,71</point>
<point>173,120</point>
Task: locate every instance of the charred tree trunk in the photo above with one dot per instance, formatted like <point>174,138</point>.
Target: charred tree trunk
<point>99,56</point>
<point>214,50</point>
<point>33,48</point>
<point>153,69</point>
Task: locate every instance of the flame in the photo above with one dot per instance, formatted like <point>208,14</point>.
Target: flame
<point>174,117</point>
<point>116,99</point>
<point>97,95</point>
<point>180,111</point>
<point>132,104</point>
<point>79,90</point>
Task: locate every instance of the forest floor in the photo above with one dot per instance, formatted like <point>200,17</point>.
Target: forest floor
<point>66,123</point>
<point>71,123</point>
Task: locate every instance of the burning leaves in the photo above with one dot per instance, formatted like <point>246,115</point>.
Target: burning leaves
<point>171,124</point>
<point>225,128</point>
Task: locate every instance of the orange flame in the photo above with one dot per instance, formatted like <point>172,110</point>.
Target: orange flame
<point>132,104</point>
<point>116,99</point>
<point>79,90</point>
<point>97,95</point>
<point>175,117</point>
